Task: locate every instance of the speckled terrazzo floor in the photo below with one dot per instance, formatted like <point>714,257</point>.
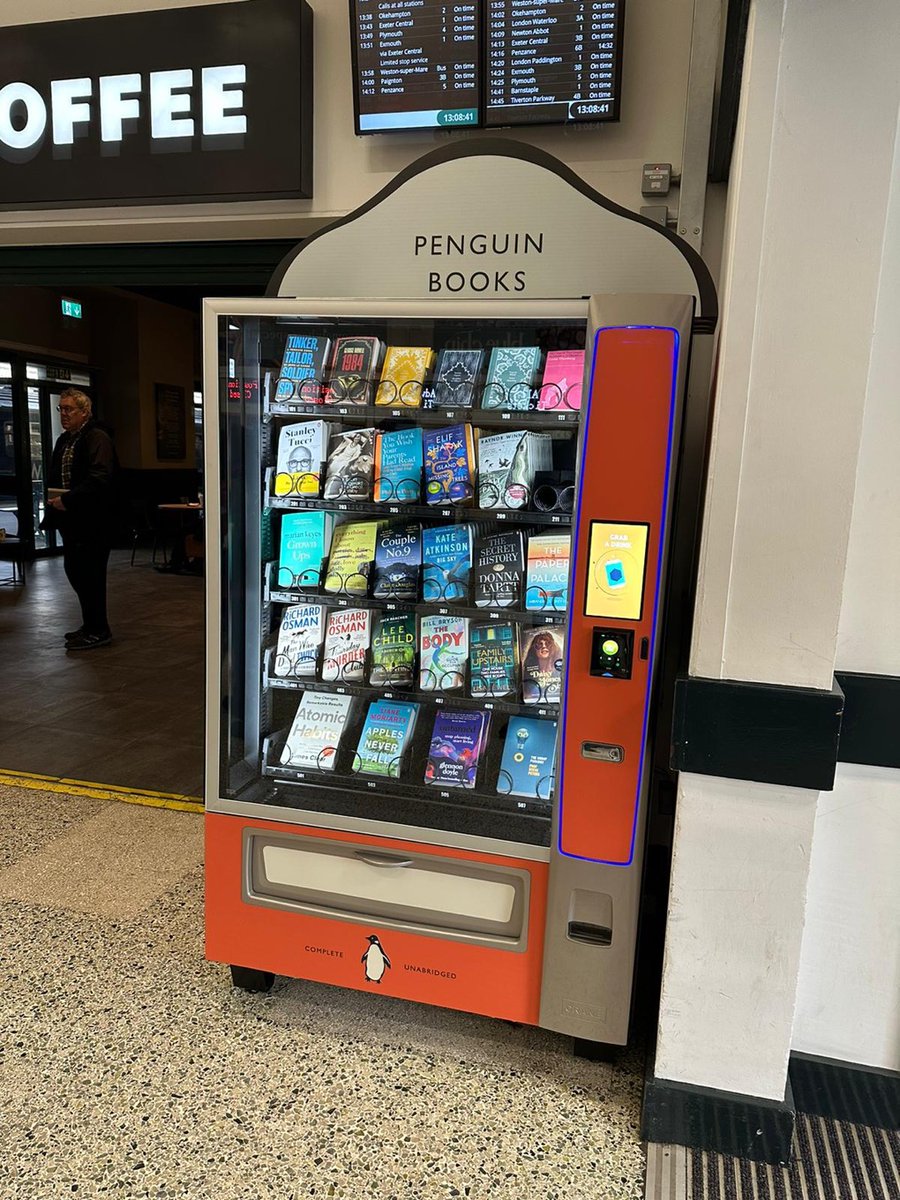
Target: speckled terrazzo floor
<point>130,1068</point>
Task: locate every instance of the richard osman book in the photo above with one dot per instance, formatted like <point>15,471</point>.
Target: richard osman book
<point>385,737</point>
<point>303,369</point>
<point>347,637</point>
<point>398,562</point>
<point>446,563</point>
<point>316,731</point>
<point>493,661</point>
<point>542,653</point>
<point>393,651</point>
<point>449,465</point>
<point>457,741</point>
<point>299,638</point>
<point>305,543</point>
<point>398,466</point>
<point>529,759</point>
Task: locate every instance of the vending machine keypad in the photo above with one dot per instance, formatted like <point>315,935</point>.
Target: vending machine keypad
<point>611,652</point>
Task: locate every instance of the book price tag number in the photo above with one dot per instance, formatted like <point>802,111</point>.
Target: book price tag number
<point>443,611</point>
<point>371,785</point>
<point>445,795</point>
<point>393,509</point>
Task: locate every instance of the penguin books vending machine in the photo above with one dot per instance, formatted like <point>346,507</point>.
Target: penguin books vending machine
<point>436,585</point>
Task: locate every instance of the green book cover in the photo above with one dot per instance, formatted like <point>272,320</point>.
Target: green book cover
<point>393,651</point>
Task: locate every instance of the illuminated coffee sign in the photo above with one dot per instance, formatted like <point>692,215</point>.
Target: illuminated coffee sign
<point>206,103</point>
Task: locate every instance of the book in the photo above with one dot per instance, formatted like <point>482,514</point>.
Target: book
<point>302,369</point>
<point>305,542</point>
<point>393,651</point>
<point>403,375</point>
<point>299,638</point>
<point>449,465</point>
<point>443,653</point>
<point>351,466</point>
<point>547,572</point>
<point>446,563</point>
<point>542,654</point>
<point>499,569</point>
<point>457,741</point>
<point>509,382</point>
<point>385,736</point>
<point>493,661</point>
<point>354,366</point>
<point>302,448</point>
<point>456,376</point>
<point>315,733</point>
<point>398,562</point>
<point>350,561</point>
<point>398,466</point>
<point>528,763</point>
<point>347,636</point>
<point>506,465</point>
<point>561,382</point>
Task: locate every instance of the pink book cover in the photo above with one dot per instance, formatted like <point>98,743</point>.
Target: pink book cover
<point>563,369</point>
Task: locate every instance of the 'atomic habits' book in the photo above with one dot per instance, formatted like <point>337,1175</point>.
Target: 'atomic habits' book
<point>305,542</point>
<point>499,569</point>
<point>457,741</point>
<point>350,563</point>
<point>354,366</point>
<point>302,449</point>
<point>398,466</point>
<point>303,369</point>
<point>449,465</point>
<point>562,380</point>
<point>493,661</point>
<point>510,377</point>
<point>529,759</point>
<point>446,563</point>
<point>385,736</point>
<point>398,562</point>
<point>393,651</point>
<point>351,466</point>
<point>299,638</point>
<point>443,653</point>
<point>542,653</point>
<point>347,637</point>
<point>456,377</point>
<point>547,572</point>
<point>403,375</point>
<point>316,731</point>
<point>506,465</point>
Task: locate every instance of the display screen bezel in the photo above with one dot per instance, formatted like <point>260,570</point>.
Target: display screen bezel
<point>602,614</point>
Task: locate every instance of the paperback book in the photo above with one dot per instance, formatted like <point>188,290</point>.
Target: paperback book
<point>398,466</point>
<point>493,661</point>
<point>393,651</point>
<point>403,375</point>
<point>499,569</point>
<point>443,653</point>
<point>302,448</point>
<point>303,369</point>
<point>398,562</point>
<point>351,466</point>
<point>511,372</point>
<point>446,563</point>
<point>350,562</point>
<point>457,742</point>
<point>347,636</point>
<point>547,572</point>
<point>506,465</point>
<point>449,465</point>
<point>561,382</point>
<point>385,737</point>
<point>542,653</point>
<point>299,638</point>
<point>529,759</point>
<point>305,542</point>
<point>456,377</point>
<point>316,731</point>
<point>354,367</point>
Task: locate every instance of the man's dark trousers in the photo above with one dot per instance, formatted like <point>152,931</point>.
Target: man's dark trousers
<point>85,560</point>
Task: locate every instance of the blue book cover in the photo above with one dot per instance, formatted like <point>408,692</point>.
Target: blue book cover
<point>303,369</point>
<point>398,466</point>
<point>385,736</point>
<point>446,563</point>
<point>456,745</point>
<point>449,465</point>
<point>510,377</point>
<point>529,759</point>
<point>305,542</point>
<point>398,562</point>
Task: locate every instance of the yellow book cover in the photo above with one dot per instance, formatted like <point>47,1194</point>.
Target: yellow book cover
<point>352,555</point>
<point>403,375</point>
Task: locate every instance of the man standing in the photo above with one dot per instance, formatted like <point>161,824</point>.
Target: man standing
<point>84,467</point>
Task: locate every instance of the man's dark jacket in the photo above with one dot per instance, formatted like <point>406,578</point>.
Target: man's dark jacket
<point>90,503</point>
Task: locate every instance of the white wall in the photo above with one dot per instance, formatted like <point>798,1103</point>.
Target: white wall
<point>349,169</point>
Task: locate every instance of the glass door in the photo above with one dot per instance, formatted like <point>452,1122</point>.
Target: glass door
<point>8,503</point>
<point>40,461</point>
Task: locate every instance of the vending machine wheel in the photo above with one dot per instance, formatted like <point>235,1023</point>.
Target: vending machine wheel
<point>249,980</point>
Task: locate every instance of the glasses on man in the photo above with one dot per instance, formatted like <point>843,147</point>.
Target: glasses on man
<point>66,408</point>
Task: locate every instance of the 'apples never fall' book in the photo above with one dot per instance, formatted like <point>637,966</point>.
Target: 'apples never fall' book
<point>385,736</point>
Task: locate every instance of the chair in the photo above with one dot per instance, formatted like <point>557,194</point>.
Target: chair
<point>144,524</point>
<point>13,551</point>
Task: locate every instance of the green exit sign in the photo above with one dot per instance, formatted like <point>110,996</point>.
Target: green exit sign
<point>71,308</point>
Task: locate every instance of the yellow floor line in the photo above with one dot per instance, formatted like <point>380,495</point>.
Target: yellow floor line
<point>100,791</point>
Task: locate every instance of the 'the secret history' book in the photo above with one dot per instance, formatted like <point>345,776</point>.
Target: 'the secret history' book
<point>316,731</point>
<point>457,741</point>
<point>542,653</point>
<point>493,661</point>
<point>347,636</point>
<point>385,736</point>
<point>499,569</point>
<point>299,638</point>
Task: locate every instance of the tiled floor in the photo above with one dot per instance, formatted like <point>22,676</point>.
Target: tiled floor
<point>129,714</point>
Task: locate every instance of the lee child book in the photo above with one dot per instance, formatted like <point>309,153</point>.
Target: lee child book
<point>449,465</point>
<point>509,383</point>
<point>446,563</point>
<point>403,376</point>
<point>385,737</point>
<point>561,382</point>
<point>443,653</point>
<point>354,367</point>
<point>305,541</point>
<point>303,369</point>
<point>347,637</point>
<point>457,742</point>
<point>493,661</point>
<point>398,466</point>
<point>393,651</point>
<point>350,562</point>
<point>528,763</point>
<point>351,466</point>
<point>456,377</point>
<point>506,465</point>
<point>547,572</point>
<point>299,638</point>
<point>316,731</point>
<point>499,569</point>
<point>302,448</point>
<point>542,654</point>
<point>398,562</point>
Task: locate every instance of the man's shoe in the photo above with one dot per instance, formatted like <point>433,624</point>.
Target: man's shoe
<point>89,641</point>
<point>75,633</point>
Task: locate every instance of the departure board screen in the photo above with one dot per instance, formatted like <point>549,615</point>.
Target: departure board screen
<point>416,64</point>
<point>553,62</point>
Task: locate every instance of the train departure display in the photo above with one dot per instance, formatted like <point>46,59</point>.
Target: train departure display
<point>417,64</point>
<point>441,64</point>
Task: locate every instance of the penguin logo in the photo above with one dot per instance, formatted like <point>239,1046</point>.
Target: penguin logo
<point>375,959</point>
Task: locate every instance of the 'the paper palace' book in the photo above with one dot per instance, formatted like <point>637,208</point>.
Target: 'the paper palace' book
<point>547,572</point>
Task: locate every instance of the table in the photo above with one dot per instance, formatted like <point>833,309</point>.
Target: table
<point>12,551</point>
<point>179,558</point>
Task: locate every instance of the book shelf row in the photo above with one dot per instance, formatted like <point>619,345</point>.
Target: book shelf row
<point>368,413</point>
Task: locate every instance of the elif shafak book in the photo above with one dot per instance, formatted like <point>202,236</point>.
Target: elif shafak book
<point>302,448</point>
<point>303,369</point>
<point>529,759</point>
<point>398,562</point>
<point>506,465</point>
<point>499,569</point>
<point>385,736</point>
<point>402,376</point>
<point>456,377</point>
<point>351,466</point>
<point>354,366</point>
<point>350,562</point>
<point>305,543</point>
<point>398,466</point>
<point>443,652</point>
<point>449,465</point>
<point>316,731</point>
<point>299,638</point>
<point>542,654</point>
<point>493,661</point>
<point>347,637</point>
<point>509,383</point>
<point>457,741</point>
